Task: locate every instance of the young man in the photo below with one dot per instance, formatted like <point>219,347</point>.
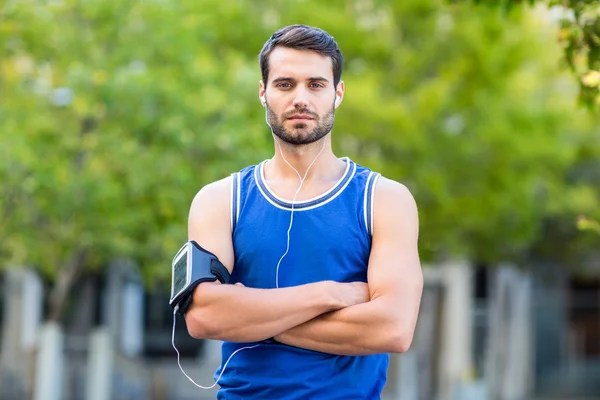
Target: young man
<point>325,271</point>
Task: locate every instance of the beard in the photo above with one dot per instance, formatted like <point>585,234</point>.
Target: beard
<point>299,134</point>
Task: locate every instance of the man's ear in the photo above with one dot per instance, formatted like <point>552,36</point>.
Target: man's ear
<point>262,94</point>
<point>339,93</point>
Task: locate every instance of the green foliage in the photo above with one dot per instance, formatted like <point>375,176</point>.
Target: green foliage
<point>114,115</point>
<point>588,224</point>
<point>109,134</point>
<point>579,35</point>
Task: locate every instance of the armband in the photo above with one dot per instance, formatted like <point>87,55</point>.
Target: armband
<point>193,265</point>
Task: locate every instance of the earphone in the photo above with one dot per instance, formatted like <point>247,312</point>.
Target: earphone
<point>264,102</point>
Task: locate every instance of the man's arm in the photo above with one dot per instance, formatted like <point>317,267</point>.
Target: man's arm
<point>387,322</point>
<point>240,314</point>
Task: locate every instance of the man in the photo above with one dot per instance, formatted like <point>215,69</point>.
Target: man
<point>325,271</point>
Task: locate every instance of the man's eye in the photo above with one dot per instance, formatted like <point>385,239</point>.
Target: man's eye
<point>316,85</point>
<point>284,85</point>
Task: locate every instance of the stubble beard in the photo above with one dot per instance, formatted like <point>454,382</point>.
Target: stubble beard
<point>298,136</point>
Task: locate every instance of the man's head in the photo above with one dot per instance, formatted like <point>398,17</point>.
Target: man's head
<point>301,83</point>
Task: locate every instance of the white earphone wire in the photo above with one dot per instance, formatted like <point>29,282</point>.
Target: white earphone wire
<point>179,362</point>
<point>278,264</point>
<point>293,202</point>
<point>297,191</point>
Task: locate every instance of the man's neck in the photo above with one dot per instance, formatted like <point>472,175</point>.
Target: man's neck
<point>317,156</point>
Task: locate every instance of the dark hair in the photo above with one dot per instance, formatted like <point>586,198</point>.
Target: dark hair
<point>302,37</point>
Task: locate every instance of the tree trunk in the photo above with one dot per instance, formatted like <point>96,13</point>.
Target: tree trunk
<point>66,276</point>
<point>62,286</point>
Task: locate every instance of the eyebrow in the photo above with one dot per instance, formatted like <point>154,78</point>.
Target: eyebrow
<point>287,79</point>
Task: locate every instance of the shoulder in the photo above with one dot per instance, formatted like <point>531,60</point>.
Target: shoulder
<point>393,203</point>
<point>388,190</point>
<point>217,195</point>
<point>213,198</point>
<point>214,192</point>
<point>209,220</point>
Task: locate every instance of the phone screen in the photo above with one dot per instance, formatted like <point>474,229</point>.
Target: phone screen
<point>180,273</point>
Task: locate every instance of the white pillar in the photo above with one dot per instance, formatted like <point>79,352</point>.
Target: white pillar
<point>407,379</point>
<point>22,298</point>
<point>111,299</point>
<point>425,344</point>
<point>12,318</point>
<point>132,319</point>
<point>99,366</point>
<point>22,313</point>
<point>520,369</point>
<point>49,367</point>
<point>32,299</point>
<point>457,328</point>
<point>509,359</point>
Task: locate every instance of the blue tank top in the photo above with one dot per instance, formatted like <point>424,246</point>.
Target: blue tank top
<point>330,240</point>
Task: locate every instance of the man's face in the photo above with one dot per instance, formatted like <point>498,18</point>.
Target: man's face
<point>300,95</point>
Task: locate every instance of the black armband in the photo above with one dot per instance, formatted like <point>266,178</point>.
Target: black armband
<point>191,266</point>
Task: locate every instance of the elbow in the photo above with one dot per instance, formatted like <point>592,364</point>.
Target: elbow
<point>198,325</point>
<point>196,332</point>
<point>401,339</point>
<point>199,318</point>
<point>401,344</point>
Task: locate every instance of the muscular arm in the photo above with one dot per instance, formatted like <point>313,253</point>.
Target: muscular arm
<point>386,323</point>
<point>240,314</point>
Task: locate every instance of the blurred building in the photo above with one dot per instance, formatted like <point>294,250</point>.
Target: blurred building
<point>484,333</point>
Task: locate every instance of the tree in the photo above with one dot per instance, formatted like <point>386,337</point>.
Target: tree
<point>475,117</point>
<point>579,35</point>
<point>116,113</point>
<point>108,134</point>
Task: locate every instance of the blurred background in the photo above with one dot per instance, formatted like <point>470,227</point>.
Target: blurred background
<point>113,114</point>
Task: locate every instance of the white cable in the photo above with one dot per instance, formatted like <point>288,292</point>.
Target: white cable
<point>278,264</point>
<point>293,202</point>
<point>179,362</point>
<point>297,191</point>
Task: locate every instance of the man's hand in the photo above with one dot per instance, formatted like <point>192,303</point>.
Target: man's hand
<point>353,293</point>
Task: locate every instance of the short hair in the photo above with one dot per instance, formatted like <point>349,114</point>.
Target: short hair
<point>303,37</point>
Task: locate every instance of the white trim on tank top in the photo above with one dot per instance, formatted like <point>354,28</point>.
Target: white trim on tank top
<point>232,216</point>
<point>365,202</point>
<point>372,208</point>
<point>234,199</point>
<point>346,176</point>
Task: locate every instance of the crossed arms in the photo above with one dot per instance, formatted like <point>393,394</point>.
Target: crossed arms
<point>331,317</point>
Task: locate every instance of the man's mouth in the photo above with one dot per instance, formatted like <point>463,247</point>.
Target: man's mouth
<point>301,117</point>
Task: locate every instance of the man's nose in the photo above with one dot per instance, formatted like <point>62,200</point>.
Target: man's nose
<point>301,98</point>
